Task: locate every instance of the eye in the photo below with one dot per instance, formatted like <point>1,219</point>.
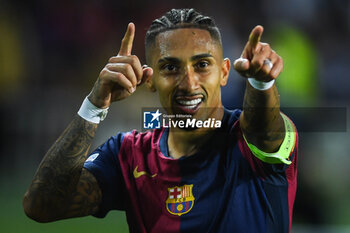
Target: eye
<point>202,64</point>
<point>169,67</point>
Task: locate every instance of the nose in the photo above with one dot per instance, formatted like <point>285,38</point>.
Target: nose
<point>189,80</point>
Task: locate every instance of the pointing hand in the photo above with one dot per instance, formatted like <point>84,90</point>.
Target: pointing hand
<point>121,75</point>
<point>258,60</point>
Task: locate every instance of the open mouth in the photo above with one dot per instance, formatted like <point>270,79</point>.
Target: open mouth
<point>189,104</point>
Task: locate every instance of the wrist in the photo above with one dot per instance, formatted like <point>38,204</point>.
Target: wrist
<point>261,85</point>
<point>91,113</point>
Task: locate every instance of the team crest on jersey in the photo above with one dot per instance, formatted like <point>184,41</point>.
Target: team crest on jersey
<point>180,199</point>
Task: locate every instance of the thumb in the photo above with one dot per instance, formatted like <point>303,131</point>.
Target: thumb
<point>241,64</point>
<point>147,73</point>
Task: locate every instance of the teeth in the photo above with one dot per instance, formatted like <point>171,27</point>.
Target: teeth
<point>190,106</point>
<point>190,103</point>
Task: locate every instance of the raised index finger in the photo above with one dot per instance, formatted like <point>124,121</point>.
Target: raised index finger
<point>126,45</point>
<point>255,35</point>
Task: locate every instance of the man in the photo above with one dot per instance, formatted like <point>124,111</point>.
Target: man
<point>240,177</point>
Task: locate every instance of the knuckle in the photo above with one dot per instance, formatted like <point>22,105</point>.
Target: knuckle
<point>258,63</point>
<point>111,59</point>
<point>119,76</point>
<point>266,47</point>
<point>108,66</point>
<point>129,72</point>
<point>274,75</point>
<point>134,58</point>
<point>280,59</point>
<point>127,67</point>
<point>103,72</point>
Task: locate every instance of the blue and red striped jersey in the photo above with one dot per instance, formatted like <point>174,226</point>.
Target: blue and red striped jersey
<point>221,188</point>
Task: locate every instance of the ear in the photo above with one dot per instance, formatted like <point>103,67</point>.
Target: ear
<point>150,84</point>
<point>225,69</point>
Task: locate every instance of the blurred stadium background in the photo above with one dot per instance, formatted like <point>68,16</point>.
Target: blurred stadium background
<point>51,53</point>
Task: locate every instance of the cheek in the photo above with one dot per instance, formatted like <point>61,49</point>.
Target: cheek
<point>165,87</point>
<point>212,80</point>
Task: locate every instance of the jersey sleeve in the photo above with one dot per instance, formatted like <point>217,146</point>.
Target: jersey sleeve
<point>104,164</point>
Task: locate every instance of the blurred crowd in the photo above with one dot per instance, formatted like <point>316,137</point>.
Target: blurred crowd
<point>51,53</point>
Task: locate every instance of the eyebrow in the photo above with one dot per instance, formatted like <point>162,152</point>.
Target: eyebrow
<point>176,60</point>
<point>200,56</point>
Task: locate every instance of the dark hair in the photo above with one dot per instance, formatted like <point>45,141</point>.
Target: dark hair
<point>181,18</point>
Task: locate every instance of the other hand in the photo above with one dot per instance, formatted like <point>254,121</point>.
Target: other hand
<point>258,60</point>
<point>121,75</point>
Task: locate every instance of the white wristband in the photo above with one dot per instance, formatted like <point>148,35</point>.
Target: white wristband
<point>260,85</point>
<point>91,113</point>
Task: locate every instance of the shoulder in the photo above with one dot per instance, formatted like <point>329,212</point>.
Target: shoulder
<point>140,144</point>
<point>126,143</point>
<point>231,116</point>
<point>137,139</point>
<point>229,121</point>
<point>139,149</point>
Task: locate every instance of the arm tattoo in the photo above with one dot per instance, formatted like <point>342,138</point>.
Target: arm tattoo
<point>86,198</point>
<point>261,121</point>
<point>61,188</point>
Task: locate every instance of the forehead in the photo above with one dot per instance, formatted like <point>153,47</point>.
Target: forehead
<point>184,42</point>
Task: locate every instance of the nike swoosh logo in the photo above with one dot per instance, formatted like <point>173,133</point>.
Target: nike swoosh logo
<point>142,173</point>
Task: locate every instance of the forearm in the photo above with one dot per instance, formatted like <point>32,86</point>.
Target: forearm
<point>57,176</point>
<point>261,121</point>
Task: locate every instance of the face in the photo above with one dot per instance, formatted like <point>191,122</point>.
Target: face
<point>188,72</point>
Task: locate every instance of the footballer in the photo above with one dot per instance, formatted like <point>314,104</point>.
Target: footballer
<point>237,177</point>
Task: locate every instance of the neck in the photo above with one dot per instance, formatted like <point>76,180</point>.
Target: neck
<point>188,142</point>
